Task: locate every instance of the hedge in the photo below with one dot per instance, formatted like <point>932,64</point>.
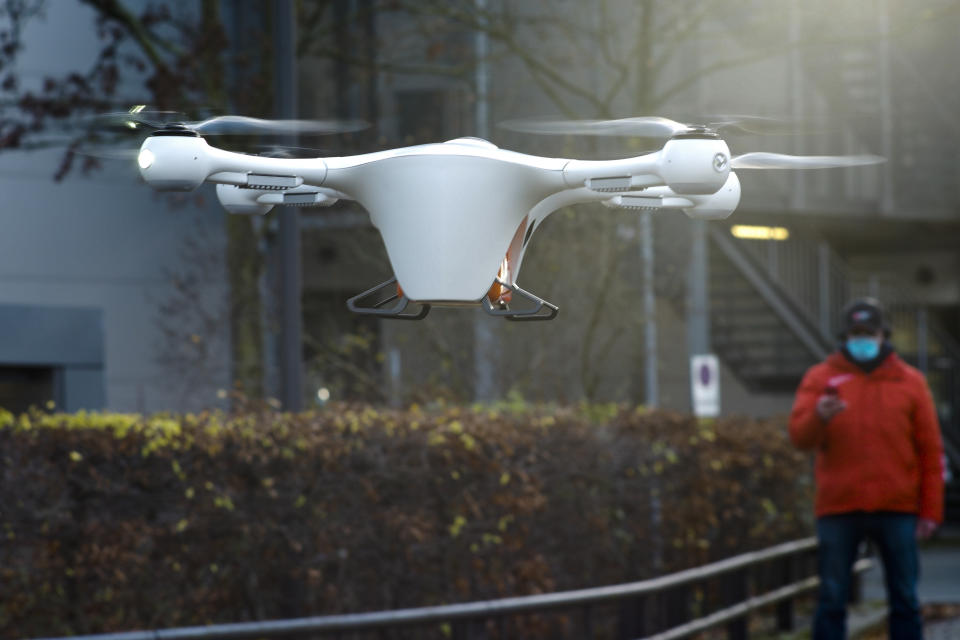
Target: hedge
<point>116,522</point>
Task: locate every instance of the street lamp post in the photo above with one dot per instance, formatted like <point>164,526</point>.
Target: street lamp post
<point>285,105</point>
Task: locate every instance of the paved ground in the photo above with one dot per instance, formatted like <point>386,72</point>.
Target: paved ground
<point>939,584</point>
<point>939,577</point>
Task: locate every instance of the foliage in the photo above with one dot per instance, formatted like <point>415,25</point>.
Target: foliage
<point>114,521</point>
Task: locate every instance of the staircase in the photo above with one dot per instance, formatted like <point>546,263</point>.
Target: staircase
<point>775,309</point>
<point>755,328</point>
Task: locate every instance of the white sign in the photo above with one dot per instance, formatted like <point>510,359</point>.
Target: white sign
<point>705,385</point>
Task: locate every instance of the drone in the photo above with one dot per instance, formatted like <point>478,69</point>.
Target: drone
<point>456,217</point>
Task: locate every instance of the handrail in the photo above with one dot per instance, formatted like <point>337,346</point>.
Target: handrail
<point>750,604</point>
<point>489,608</point>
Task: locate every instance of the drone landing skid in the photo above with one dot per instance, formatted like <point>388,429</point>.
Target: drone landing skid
<point>541,309</point>
<point>375,302</point>
<point>398,311</point>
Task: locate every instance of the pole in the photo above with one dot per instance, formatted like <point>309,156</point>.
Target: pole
<point>483,337</point>
<point>823,276</point>
<point>798,197</point>
<point>698,302</point>
<point>888,196</point>
<point>651,386</point>
<point>923,328</point>
<point>285,105</point>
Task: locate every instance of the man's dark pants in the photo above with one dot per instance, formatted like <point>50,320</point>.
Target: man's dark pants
<point>894,536</point>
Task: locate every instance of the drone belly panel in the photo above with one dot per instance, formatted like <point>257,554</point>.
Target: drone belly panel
<point>447,220</point>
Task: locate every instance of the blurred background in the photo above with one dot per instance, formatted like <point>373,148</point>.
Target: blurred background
<point>113,296</point>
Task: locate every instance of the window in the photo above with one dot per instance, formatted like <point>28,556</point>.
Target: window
<point>25,387</point>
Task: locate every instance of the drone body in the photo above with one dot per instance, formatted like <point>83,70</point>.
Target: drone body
<point>456,217</point>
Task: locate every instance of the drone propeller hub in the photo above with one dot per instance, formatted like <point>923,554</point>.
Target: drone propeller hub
<point>176,129</point>
<point>697,132</point>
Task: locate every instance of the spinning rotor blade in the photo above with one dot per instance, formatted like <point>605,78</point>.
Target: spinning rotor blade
<point>761,125</point>
<point>108,153</point>
<point>763,160</point>
<point>142,120</point>
<point>243,125</point>
<point>133,120</point>
<point>286,151</point>
<point>656,127</point>
<point>641,127</point>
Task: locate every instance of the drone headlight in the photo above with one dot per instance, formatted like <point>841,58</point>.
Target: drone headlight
<point>146,158</point>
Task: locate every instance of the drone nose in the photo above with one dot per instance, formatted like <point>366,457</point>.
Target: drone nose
<point>173,162</point>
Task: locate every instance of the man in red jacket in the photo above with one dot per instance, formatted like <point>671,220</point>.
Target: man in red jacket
<point>870,419</point>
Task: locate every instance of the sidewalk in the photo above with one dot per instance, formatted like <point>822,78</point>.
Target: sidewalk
<point>939,584</point>
<point>939,577</point>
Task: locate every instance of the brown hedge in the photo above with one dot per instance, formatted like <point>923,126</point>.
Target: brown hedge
<point>116,522</point>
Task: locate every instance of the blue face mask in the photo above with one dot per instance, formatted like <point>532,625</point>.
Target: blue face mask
<point>863,349</point>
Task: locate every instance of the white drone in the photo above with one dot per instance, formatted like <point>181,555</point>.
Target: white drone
<point>456,217</point>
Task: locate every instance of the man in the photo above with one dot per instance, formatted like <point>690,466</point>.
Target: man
<point>870,418</point>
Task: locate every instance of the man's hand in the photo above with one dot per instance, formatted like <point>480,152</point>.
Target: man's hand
<point>829,405</point>
<point>925,528</point>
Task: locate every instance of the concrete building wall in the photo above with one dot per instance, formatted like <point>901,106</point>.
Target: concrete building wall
<point>107,242</point>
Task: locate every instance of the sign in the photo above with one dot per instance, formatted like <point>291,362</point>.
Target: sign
<point>705,385</point>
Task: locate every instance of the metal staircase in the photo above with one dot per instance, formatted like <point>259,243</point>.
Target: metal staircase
<point>756,326</point>
<point>775,309</point>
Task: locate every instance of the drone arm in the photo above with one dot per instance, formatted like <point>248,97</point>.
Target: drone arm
<point>182,163</point>
<point>693,165</point>
<point>613,175</point>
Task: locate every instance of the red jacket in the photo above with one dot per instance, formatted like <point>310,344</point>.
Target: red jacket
<point>883,452</point>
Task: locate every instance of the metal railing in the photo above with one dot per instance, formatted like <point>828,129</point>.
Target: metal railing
<point>661,608</point>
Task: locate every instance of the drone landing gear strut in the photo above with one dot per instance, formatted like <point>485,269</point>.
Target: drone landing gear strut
<point>377,307</point>
<point>374,302</point>
<point>541,309</point>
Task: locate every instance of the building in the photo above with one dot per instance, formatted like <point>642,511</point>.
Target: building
<point>102,281</point>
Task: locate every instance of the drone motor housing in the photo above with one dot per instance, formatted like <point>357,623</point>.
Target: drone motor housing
<point>719,205</point>
<point>174,161</point>
<point>694,164</point>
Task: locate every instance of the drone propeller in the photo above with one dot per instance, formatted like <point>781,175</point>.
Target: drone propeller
<point>142,120</point>
<point>652,126</point>
<point>763,160</point>
<point>107,153</point>
<point>109,136</point>
<point>287,151</point>
<point>644,127</point>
